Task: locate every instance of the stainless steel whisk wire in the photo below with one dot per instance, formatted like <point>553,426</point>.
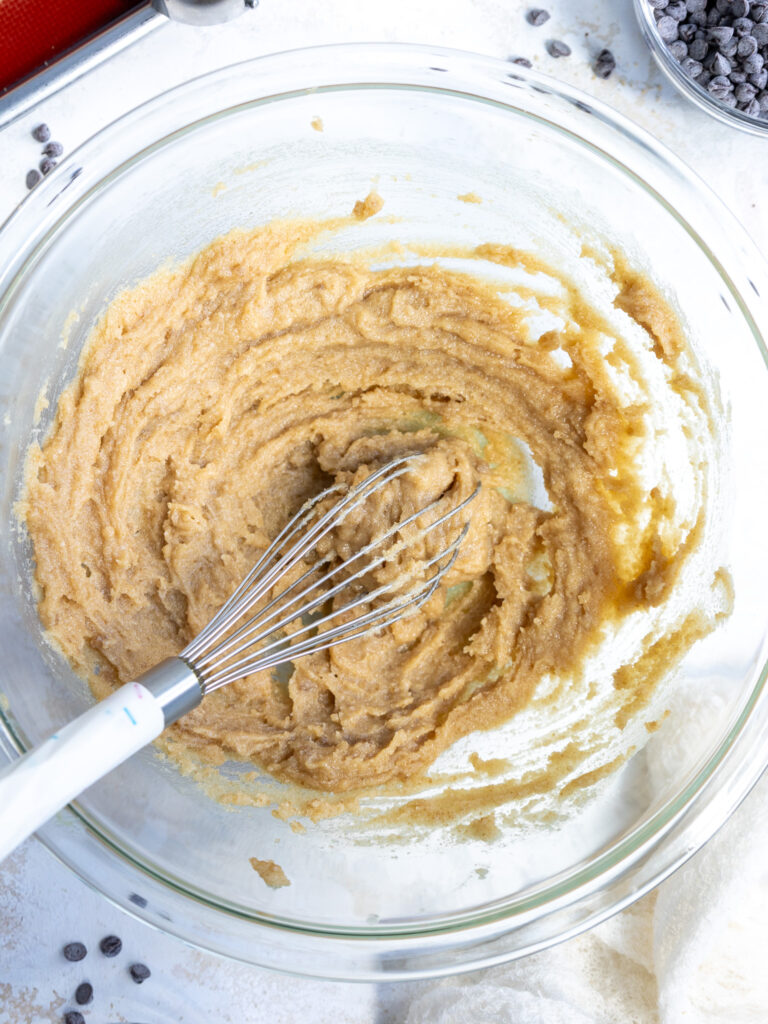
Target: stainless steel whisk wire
<point>218,661</point>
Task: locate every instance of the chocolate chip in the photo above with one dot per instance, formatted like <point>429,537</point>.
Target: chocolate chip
<point>32,178</point>
<point>696,5</point>
<point>667,29</point>
<point>537,16</point>
<point>737,77</point>
<point>557,48</point>
<point>84,993</point>
<point>743,26</point>
<point>139,972</point>
<point>752,108</point>
<point>745,93</point>
<point>692,68</point>
<point>678,49</point>
<point>134,897</point>
<point>687,31</point>
<point>53,149</point>
<point>111,945</point>
<point>720,34</point>
<point>42,133</point>
<point>46,165</point>
<point>605,64</point>
<point>74,951</point>
<point>729,49</point>
<point>74,1017</point>
<point>760,80</point>
<point>746,47</point>
<point>677,10</point>
<point>698,49</point>
<point>721,65</point>
<point>719,87</point>
<point>739,8</point>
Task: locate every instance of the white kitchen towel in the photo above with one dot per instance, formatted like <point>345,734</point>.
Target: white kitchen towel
<point>692,952</point>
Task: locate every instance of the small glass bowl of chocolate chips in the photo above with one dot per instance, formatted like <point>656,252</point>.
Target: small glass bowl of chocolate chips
<point>716,52</point>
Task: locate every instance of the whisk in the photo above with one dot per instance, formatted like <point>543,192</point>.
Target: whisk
<point>271,618</point>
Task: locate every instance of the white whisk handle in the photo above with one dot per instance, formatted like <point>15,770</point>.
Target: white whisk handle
<point>41,782</point>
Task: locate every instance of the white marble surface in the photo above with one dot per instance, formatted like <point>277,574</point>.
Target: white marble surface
<point>41,904</point>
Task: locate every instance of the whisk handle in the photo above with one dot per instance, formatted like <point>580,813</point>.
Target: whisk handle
<point>40,783</point>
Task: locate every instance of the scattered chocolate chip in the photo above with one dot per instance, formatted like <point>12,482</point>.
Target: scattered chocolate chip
<point>139,972</point>
<point>111,945</point>
<point>32,178</point>
<point>46,165</point>
<point>74,1017</point>
<point>53,149</point>
<point>42,133</point>
<point>605,64</point>
<point>557,48</point>
<point>134,897</point>
<point>84,993</point>
<point>74,951</point>
<point>537,16</point>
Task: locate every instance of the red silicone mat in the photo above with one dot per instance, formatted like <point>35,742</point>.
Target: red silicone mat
<point>35,32</point>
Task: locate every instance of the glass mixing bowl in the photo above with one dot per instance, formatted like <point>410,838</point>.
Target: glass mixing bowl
<point>238,148</point>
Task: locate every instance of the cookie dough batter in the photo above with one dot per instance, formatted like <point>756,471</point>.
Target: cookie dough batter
<point>214,399</point>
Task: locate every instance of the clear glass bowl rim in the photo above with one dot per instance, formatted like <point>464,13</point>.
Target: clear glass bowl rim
<point>675,74</point>
<point>738,760</point>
